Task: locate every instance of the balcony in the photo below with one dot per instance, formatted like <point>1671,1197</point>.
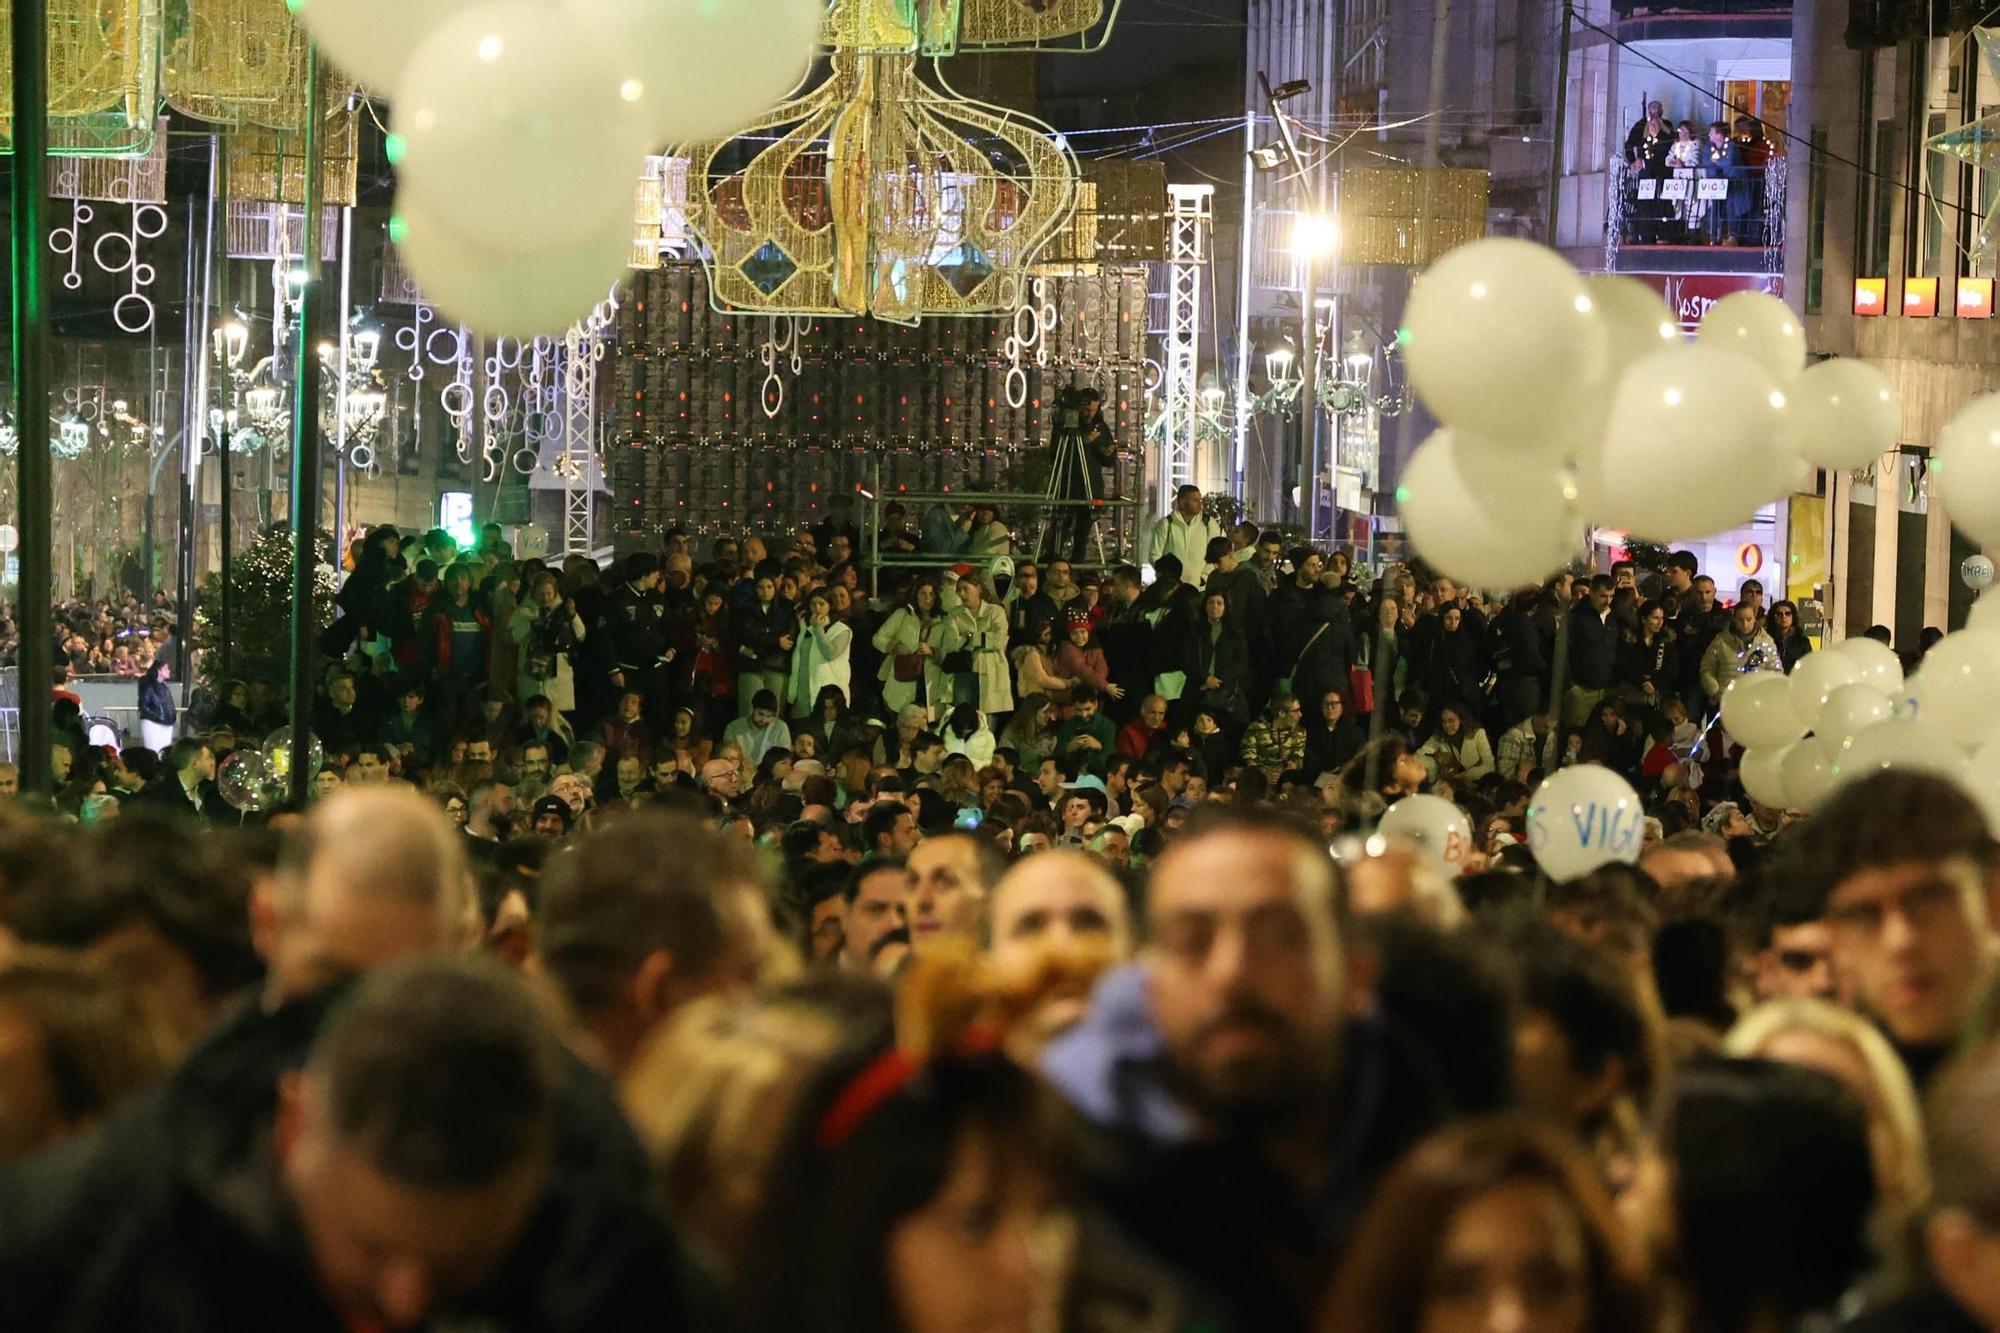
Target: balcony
<point>1690,223</point>
<point>1669,20</point>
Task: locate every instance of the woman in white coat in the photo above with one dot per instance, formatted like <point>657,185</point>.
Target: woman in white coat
<point>978,630</point>
<point>546,630</point>
<point>821,658</point>
<point>911,642</point>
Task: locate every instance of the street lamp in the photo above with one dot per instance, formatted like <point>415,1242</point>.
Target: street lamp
<point>1315,235</point>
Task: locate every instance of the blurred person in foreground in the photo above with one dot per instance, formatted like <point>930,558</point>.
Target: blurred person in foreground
<point>178,1215</point>
<point>412,1174</point>
<point>644,916</point>
<point>1236,1111</point>
<point>1900,865</point>
<point>1495,1225</point>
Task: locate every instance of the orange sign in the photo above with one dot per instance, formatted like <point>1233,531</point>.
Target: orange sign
<point>1975,298</point>
<point>1749,558</point>
<point>1919,297</point>
<point>1871,295</point>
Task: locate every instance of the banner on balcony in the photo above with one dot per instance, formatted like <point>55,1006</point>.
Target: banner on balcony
<point>1691,294</point>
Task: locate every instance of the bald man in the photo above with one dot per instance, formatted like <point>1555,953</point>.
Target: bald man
<point>1058,905</point>
<point>376,874</point>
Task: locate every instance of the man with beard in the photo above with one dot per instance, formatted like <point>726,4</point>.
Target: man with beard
<point>1238,1112</point>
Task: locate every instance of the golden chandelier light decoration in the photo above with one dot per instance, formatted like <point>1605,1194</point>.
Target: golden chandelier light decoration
<point>879,192</point>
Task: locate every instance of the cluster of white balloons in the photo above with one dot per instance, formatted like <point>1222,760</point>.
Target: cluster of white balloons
<point>520,127</point>
<point>1569,401</point>
<point>1847,712</point>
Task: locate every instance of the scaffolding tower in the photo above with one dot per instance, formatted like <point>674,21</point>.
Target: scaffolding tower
<point>1190,220</point>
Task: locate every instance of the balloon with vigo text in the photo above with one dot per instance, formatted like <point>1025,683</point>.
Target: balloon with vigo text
<point>1438,830</point>
<point>1584,817</point>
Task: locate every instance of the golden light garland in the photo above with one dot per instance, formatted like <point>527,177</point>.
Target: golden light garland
<point>103,81</point>
<point>878,194</point>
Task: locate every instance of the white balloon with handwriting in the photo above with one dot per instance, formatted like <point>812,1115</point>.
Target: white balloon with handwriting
<point>1582,818</point>
<point>1438,830</point>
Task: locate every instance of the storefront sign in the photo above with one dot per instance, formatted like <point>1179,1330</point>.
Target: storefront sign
<point>1871,296</point>
<point>1975,298</point>
<point>1691,294</point>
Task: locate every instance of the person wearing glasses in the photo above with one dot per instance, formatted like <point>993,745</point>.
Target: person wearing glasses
<point>1276,743</point>
<point>1901,867</point>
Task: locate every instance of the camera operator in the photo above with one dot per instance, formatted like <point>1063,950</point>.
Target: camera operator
<point>1083,451</point>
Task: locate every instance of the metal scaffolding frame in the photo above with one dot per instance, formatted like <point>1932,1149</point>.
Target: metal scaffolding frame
<point>1191,219</point>
<point>577,463</point>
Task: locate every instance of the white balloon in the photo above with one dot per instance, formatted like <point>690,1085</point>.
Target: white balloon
<point>1438,830</point>
<point>1848,711</point>
<point>1584,817</point>
<point>1808,774</point>
<point>1847,414</point>
<point>1697,439</point>
<point>1763,775</point>
<point>1757,712</point>
<point>1879,664</point>
<point>1958,685</point>
<point>1902,743</point>
<point>1984,618</point>
<point>513,131</point>
<point>1485,516</point>
<point>513,296</point>
<point>1760,327</point>
<point>1813,678</point>
<point>1966,469</point>
<point>1983,783</point>
<point>373,39</point>
<point>1502,338</point>
<point>1635,319</point>
<point>704,70</point>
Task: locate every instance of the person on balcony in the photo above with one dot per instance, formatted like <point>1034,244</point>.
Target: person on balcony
<point>1753,159</point>
<point>1685,155</point>
<point>1646,148</point>
<point>1720,160</point>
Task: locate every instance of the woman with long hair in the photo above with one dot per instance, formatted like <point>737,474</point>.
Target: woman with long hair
<point>1782,624</point>
<point>821,662</point>
<point>828,718</point>
<point>1488,1224</point>
<point>684,748</point>
<point>1035,672</point>
<point>1649,659</point>
<point>546,630</point>
<point>1031,733</point>
<point>156,705</point>
<point>1458,749</point>
<point>911,642</point>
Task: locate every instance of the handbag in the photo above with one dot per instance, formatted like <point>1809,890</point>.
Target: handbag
<point>909,667</point>
<point>1361,684</point>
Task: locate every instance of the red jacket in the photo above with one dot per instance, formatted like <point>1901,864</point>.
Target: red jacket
<point>1135,737</point>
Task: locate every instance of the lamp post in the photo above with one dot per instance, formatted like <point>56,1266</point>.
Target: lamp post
<point>232,345</point>
<point>1315,237</point>
<point>352,409</point>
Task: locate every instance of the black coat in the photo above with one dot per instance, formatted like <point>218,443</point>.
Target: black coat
<point>1315,661</point>
<point>1658,663</point>
<point>1593,649</point>
<point>758,629</point>
<point>170,1218</point>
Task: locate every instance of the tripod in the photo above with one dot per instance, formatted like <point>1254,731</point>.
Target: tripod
<point>1071,514</point>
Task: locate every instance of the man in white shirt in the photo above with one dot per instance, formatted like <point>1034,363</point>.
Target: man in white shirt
<point>1185,534</point>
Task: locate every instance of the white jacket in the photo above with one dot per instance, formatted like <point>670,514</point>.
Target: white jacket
<point>1186,542</point>
<point>820,660</point>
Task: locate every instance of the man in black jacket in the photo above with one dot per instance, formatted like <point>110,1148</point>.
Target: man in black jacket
<point>1311,632</point>
<point>635,626</point>
<point>1593,653</point>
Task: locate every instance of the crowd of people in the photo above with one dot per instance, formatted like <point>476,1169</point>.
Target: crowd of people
<point>1658,151</point>
<point>707,944</point>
